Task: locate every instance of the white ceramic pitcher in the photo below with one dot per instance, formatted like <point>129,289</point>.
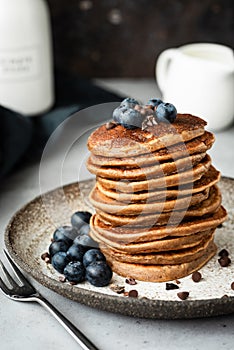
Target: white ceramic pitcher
<point>199,79</point>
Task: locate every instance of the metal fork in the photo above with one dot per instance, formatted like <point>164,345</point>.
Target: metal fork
<point>26,292</point>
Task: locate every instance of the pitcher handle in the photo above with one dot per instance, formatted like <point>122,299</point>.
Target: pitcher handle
<point>162,67</point>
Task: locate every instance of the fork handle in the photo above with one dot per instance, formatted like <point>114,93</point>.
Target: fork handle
<point>81,339</point>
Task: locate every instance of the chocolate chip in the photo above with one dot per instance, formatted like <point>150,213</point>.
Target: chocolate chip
<point>133,293</point>
<point>45,256</point>
<point>223,252</point>
<point>232,286</point>
<point>220,226</point>
<point>196,276</point>
<point>183,295</point>
<point>117,289</point>
<point>131,281</point>
<point>225,296</point>
<point>170,286</point>
<point>224,261</point>
<point>110,125</point>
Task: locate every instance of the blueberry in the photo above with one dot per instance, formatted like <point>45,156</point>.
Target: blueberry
<point>154,102</point>
<point>86,241</point>
<point>80,218</point>
<point>93,255</point>
<point>59,261</point>
<point>56,247</point>
<point>166,112</point>
<point>74,272</point>
<point>84,230</point>
<point>76,252</point>
<point>98,274</point>
<point>129,102</point>
<point>65,233</point>
<point>117,113</point>
<point>131,119</point>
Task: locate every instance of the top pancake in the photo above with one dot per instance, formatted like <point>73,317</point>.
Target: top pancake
<point>122,142</point>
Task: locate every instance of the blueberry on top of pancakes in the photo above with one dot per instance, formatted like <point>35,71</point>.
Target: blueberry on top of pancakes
<point>166,112</point>
<point>154,102</point>
<point>129,102</point>
<point>128,117</point>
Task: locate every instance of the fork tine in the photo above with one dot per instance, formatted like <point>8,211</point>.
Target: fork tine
<point>3,287</point>
<point>8,276</point>
<point>17,271</point>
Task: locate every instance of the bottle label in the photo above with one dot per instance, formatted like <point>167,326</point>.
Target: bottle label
<point>22,64</point>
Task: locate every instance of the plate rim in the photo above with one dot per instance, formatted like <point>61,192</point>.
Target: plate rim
<point>135,307</point>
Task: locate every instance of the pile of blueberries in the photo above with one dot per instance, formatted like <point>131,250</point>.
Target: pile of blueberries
<point>131,117</point>
<point>76,255</point>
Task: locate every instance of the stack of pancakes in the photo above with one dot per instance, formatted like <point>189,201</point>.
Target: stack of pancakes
<point>156,198</point>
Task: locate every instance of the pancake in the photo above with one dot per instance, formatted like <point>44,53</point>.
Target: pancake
<point>209,179</point>
<point>208,206</point>
<point>177,179</point>
<point>145,234</point>
<point>109,205</point>
<point>198,145</point>
<point>154,170</point>
<point>121,142</point>
<point>161,258</point>
<point>132,197</point>
<point>159,245</point>
<point>160,273</point>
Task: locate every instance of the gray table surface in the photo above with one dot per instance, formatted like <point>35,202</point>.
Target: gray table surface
<point>29,326</point>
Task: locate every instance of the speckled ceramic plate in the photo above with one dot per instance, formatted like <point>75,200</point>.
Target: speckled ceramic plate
<point>28,236</point>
